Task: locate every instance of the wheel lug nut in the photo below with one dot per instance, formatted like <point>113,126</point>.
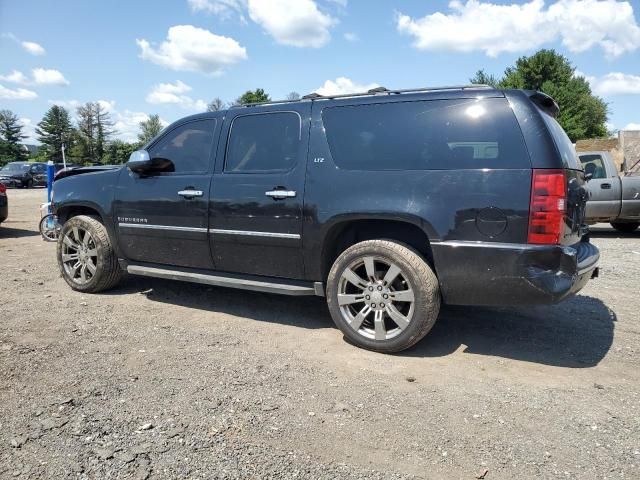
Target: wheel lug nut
<point>368,297</point>
<point>373,305</point>
<point>371,289</point>
<point>380,288</point>
<point>382,305</point>
<point>385,296</point>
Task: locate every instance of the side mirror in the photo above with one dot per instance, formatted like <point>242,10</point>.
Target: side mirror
<point>140,163</point>
<point>588,176</point>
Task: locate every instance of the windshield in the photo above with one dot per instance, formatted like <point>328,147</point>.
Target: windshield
<point>15,168</point>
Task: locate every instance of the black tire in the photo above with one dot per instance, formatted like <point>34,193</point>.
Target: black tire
<point>627,227</point>
<point>29,184</point>
<point>107,270</point>
<point>419,277</point>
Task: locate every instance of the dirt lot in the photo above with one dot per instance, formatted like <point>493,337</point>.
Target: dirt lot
<point>169,380</point>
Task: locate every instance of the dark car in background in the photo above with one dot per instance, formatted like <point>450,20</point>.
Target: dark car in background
<point>388,203</point>
<point>4,203</point>
<point>24,174</point>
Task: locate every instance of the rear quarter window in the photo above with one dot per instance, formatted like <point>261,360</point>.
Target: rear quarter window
<point>565,148</point>
<point>426,135</point>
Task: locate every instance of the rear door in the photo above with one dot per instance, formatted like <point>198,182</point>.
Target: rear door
<point>258,189</point>
<point>604,186</point>
<point>162,218</point>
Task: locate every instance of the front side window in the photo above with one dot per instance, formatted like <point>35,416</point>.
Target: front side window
<point>263,143</point>
<point>187,146</point>
<point>594,165</point>
<point>426,135</point>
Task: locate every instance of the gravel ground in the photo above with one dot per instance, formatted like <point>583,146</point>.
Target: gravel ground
<point>169,380</point>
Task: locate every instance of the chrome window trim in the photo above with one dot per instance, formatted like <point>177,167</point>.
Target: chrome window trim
<point>162,227</point>
<point>254,233</point>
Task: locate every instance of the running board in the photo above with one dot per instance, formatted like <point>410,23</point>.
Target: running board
<point>224,280</point>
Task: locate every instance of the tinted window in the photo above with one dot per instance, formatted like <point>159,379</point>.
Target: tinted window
<point>564,145</point>
<point>594,165</point>
<point>437,134</point>
<point>264,142</point>
<point>187,146</point>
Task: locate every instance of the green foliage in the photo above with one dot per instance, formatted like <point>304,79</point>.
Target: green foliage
<point>149,128</point>
<point>483,78</point>
<point>11,148</point>
<point>95,127</point>
<point>118,152</point>
<point>256,96</point>
<point>53,130</point>
<point>582,114</point>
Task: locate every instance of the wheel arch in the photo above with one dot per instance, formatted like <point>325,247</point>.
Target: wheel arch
<point>347,232</point>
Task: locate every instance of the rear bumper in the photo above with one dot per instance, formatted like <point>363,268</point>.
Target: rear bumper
<point>477,273</point>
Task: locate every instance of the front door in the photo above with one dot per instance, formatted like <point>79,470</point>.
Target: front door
<point>604,188</point>
<point>162,218</point>
<point>258,189</point>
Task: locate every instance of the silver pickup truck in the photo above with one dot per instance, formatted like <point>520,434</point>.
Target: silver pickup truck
<point>613,198</point>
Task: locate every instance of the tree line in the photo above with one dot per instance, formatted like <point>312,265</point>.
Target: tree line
<point>90,140</point>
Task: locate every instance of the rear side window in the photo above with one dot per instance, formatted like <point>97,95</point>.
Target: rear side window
<point>565,147</point>
<point>263,142</point>
<point>426,135</point>
<point>187,146</point>
<point>594,165</point>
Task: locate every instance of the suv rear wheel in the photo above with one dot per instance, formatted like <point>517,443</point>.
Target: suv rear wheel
<point>627,227</point>
<point>383,295</point>
<point>86,257</point>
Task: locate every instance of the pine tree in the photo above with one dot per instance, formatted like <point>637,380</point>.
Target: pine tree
<point>11,148</point>
<point>54,130</point>
<point>149,128</point>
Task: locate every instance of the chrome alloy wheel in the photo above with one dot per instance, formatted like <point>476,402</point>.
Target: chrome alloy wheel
<point>79,255</point>
<point>375,298</point>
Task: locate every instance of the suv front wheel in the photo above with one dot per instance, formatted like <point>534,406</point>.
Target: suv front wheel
<point>86,257</point>
<point>382,295</point>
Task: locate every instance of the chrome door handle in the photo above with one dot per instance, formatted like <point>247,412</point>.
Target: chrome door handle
<point>280,194</point>
<point>190,193</point>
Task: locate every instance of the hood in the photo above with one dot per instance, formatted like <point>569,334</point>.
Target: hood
<point>72,171</point>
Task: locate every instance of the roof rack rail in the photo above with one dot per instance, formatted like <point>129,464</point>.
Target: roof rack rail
<point>374,91</point>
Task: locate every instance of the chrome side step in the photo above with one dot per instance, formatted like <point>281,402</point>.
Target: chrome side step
<point>223,280</point>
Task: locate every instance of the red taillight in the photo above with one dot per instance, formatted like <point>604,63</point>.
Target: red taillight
<point>548,206</point>
<point>3,188</point>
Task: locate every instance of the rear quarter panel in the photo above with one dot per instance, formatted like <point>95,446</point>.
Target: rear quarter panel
<point>445,204</point>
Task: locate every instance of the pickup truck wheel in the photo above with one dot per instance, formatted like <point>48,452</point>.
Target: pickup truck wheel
<point>628,227</point>
<point>382,295</point>
<point>86,257</point>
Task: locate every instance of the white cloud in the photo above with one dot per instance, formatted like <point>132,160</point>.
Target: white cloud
<point>494,29</point>
<point>222,8</point>
<point>68,104</point>
<point>17,94</point>
<point>188,48</point>
<point>48,76</point>
<point>127,124</point>
<point>632,126</point>
<point>298,23</point>
<point>351,37</point>
<point>614,83</point>
<point>174,93</point>
<point>15,77</point>
<point>29,129</point>
<point>33,48</point>
<point>343,85</point>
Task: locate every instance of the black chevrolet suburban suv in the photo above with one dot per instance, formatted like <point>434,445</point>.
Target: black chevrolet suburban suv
<point>388,203</point>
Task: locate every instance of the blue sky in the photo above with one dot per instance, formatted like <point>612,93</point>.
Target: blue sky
<point>171,57</point>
